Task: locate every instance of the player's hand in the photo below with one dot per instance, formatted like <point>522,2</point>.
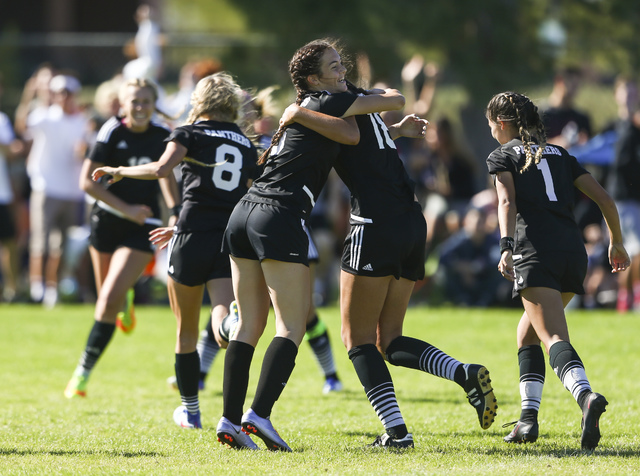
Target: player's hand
<point>161,236</point>
<point>505,266</point>
<point>289,115</point>
<point>102,171</point>
<point>412,126</point>
<point>618,258</point>
<point>138,213</point>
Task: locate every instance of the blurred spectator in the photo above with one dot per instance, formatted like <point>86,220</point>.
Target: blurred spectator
<point>59,146</point>
<point>419,85</point>
<point>146,51</point>
<point>467,269</point>
<point>624,187</point>
<point>599,283</point>
<point>566,125</point>
<point>8,251</point>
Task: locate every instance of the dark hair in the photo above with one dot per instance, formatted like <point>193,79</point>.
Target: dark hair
<point>305,62</point>
<point>518,108</point>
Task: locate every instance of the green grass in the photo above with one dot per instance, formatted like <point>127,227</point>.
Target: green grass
<point>124,425</point>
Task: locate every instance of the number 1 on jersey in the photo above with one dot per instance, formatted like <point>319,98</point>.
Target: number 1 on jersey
<point>543,167</point>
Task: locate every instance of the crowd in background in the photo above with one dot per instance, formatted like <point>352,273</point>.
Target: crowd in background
<point>43,212</point>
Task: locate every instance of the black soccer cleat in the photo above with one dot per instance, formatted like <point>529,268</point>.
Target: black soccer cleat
<point>594,406</point>
<point>386,441</point>
<point>524,432</point>
<point>480,394</point>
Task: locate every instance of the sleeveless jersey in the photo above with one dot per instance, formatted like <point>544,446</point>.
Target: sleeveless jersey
<point>374,173</point>
<point>545,197</point>
<point>117,146</point>
<point>210,193</point>
<point>299,165</point>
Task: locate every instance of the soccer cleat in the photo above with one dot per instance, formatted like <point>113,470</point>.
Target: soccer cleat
<point>234,436</point>
<point>524,432</point>
<point>263,429</point>
<point>595,406</point>
<point>126,320</point>
<point>386,441</point>
<point>480,394</point>
<point>332,384</point>
<point>77,386</point>
<point>229,323</point>
<point>185,419</point>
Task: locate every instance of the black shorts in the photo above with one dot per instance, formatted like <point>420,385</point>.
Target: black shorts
<point>313,255</point>
<point>197,257</point>
<point>562,271</point>
<point>395,247</point>
<point>110,232</point>
<point>261,231</point>
<point>7,224</point>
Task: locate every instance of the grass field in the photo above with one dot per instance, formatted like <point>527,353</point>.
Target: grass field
<point>124,425</point>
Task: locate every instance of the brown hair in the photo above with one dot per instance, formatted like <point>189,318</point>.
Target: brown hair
<point>305,62</point>
<point>518,108</point>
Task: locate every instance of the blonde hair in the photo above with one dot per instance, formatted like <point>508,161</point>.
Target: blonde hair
<point>143,83</point>
<point>519,109</point>
<point>216,95</point>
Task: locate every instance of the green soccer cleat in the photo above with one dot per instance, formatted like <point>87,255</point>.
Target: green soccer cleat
<point>126,321</point>
<point>77,386</point>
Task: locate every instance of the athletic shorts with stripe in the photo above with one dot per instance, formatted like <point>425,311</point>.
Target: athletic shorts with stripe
<point>110,232</point>
<point>196,257</point>
<point>261,231</point>
<point>560,270</point>
<point>391,247</point>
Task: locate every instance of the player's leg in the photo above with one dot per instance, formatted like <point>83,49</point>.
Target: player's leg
<point>362,300</point>
<point>220,294</point>
<point>124,268</point>
<point>532,374</point>
<point>318,337</point>
<point>185,303</point>
<point>545,308</point>
<point>288,285</point>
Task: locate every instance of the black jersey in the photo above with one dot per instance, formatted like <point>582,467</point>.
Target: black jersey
<point>299,165</point>
<point>374,173</point>
<point>117,146</point>
<point>544,197</point>
<point>210,193</point>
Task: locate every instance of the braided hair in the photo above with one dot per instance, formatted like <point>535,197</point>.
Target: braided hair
<point>519,109</point>
<point>305,62</point>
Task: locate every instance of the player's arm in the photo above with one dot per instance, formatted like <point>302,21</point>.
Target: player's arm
<point>506,190</point>
<point>618,256</point>
<point>134,212</point>
<point>343,131</point>
<point>172,156</point>
<point>376,100</point>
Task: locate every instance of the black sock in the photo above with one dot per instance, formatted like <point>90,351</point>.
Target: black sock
<point>187,373</point>
<point>278,363</point>
<point>318,338</point>
<point>99,337</point>
<point>532,375</point>
<point>416,354</point>
<point>566,363</point>
<point>237,363</point>
<point>376,380</point>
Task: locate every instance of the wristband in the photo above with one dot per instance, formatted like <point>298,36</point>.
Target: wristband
<point>175,211</point>
<point>506,243</point>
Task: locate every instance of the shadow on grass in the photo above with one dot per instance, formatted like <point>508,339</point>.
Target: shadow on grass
<point>54,452</point>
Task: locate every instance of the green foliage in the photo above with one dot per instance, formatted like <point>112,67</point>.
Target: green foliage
<point>124,426</point>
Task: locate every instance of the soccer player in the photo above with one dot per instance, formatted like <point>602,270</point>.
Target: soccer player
<point>383,257</point>
<point>269,247</point>
<point>218,162</point>
<point>543,253</point>
<point>122,217</point>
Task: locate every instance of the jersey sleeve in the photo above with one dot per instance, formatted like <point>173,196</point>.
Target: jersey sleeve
<point>182,135</point>
<point>498,161</point>
<point>576,169</point>
<point>331,104</point>
<point>101,151</point>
